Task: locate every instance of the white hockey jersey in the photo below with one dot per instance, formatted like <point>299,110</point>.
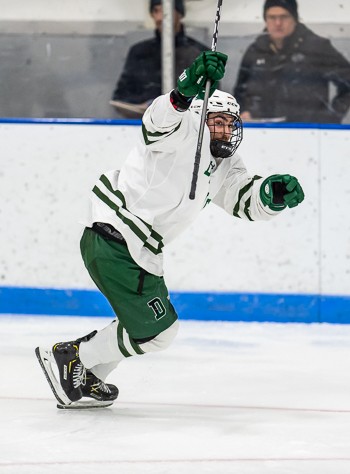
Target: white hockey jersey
<point>147,201</point>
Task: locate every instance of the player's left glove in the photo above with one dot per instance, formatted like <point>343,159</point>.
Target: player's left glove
<point>281,190</point>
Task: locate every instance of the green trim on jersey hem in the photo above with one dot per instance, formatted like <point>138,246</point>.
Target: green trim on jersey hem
<point>241,193</point>
<point>120,195</point>
<point>108,185</point>
<point>116,208</point>
<point>137,231</point>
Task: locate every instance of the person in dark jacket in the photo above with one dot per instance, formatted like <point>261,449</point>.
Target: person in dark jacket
<point>141,78</point>
<point>287,72</point>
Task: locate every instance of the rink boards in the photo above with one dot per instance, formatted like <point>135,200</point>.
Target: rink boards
<point>294,268</point>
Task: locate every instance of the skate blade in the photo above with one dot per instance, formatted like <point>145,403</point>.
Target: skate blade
<point>46,358</point>
<point>84,405</point>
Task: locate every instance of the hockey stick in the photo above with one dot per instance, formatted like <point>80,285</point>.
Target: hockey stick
<point>204,110</point>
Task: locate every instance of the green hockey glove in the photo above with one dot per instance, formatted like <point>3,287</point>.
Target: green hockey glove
<point>281,190</point>
<point>208,65</point>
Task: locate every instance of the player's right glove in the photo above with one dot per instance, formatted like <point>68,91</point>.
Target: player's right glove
<point>208,65</point>
<point>281,190</point>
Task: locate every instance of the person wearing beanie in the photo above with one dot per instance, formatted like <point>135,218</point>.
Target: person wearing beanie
<point>141,79</point>
<point>290,5</point>
<point>286,74</point>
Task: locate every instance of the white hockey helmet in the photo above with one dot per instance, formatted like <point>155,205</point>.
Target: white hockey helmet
<point>220,101</point>
<point>225,103</point>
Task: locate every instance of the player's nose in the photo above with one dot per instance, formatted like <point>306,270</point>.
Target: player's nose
<point>226,133</point>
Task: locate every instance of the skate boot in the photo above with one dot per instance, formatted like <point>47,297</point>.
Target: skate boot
<point>70,385</point>
<point>70,368</point>
<point>95,388</point>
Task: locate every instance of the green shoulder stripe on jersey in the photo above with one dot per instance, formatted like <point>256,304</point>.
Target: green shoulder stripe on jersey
<point>241,193</point>
<point>146,134</point>
<point>130,223</point>
<point>121,345</point>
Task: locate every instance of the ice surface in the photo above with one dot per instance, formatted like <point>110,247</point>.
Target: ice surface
<point>224,398</point>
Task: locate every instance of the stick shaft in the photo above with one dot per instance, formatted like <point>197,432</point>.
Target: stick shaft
<point>204,110</point>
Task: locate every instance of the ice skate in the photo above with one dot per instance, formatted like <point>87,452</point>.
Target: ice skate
<point>73,381</point>
<point>48,363</point>
<point>95,388</point>
<point>71,370</point>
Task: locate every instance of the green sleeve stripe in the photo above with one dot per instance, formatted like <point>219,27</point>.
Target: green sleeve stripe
<point>137,231</point>
<point>242,192</point>
<point>136,347</point>
<point>247,207</point>
<point>154,134</point>
<point>147,134</point>
<point>121,345</point>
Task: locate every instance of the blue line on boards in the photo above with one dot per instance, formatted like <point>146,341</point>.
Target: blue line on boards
<point>137,122</point>
<point>203,306</point>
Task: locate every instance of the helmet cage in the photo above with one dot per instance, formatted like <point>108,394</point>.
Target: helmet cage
<point>226,148</point>
<point>222,102</point>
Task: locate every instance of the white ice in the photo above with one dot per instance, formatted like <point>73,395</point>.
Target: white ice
<point>224,398</point>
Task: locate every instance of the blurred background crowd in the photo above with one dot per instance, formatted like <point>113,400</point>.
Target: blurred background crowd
<point>288,60</point>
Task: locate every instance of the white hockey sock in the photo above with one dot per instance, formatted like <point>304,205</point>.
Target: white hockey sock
<point>111,344</point>
<point>108,347</point>
<point>163,340</point>
<point>103,370</point>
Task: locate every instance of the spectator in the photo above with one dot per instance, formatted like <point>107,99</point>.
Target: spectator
<point>141,79</point>
<point>286,73</point>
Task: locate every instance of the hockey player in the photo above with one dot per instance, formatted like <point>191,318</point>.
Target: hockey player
<point>137,210</point>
